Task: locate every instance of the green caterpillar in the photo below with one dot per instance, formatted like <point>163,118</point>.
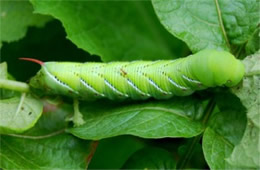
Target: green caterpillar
<point>160,79</point>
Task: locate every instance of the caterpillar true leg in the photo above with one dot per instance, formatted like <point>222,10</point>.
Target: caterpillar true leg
<point>77,117</point>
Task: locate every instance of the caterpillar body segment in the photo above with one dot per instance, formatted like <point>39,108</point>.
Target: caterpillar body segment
<point>160,79</point>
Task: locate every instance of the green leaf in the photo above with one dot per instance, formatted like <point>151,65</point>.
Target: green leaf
<point>225,130</point>
<point>114,30</point>
<point>253,44</point>
<point>171,118</point>
<point>19,114</point>
<point>214,24</point>
<point>247,153</point>
<point>122,148</point>
<point>16,16</point>
<point>45,146</point>
<point>151,158</point>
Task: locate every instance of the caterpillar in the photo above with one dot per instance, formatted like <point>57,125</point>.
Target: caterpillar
<point>136,80</point>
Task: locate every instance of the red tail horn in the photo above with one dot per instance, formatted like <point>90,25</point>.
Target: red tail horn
<point>33,60</point>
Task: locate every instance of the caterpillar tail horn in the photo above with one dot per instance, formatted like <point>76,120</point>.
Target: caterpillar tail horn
<point>32,60</point>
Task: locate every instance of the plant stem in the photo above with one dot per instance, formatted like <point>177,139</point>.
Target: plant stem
<point>14,85</point>
<point>209,109</point>
<point>187,156</point>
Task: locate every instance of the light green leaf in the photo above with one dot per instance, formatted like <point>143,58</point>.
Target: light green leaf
<point>247,153</point>
<point>214,24</point>
<point>19,114</point>
<point>225,130</point>
<point>114,30</point>
<point>171,118</point>
<point>151,158</point>
<point>45,146</point>
<point>15,17</point>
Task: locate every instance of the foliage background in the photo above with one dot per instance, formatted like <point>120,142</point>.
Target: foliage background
<point>217,128</point>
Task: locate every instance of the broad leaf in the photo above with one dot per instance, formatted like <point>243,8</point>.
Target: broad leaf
<point>19,114</point>
<point>247,152</point>
<point>15,17</point>
<point>46,146</point>
<point>214,24</point>
<point>114,30</point>
<point>171,118</point>
<point>151,158</point>
<point>224,132</point>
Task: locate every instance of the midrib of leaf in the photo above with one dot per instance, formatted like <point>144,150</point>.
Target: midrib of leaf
<point>20,104</point>
<point>173,111</point>
<point>18,109</point>
<point>221,24</point>
<point>38,137</point>
<point>152,26</point>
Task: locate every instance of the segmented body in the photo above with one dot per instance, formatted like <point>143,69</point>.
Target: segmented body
<point>139,79</point>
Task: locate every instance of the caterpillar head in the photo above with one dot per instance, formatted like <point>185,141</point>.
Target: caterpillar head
<point>217,68</point>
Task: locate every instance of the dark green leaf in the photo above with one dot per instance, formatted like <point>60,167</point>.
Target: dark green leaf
<point>112,153</point>
<point>151,158</point>
<point>224,132</point>
<point>45,146</point>
<point>15,17</point>
<point>253,44</point>
<point>114,30</point>
<point>214,24</point>
<point>46,44</point>
<point>158,119</point>
<point>189,148</point>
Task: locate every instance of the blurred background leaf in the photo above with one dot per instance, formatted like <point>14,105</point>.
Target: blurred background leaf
<point>114,30</point>
<point>151,158</point>
<point>46,44</point>
<point>112,153</point>
<point>16,17</point>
